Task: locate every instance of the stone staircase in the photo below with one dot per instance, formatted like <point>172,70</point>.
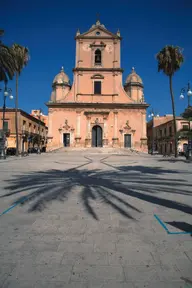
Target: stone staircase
<point>100,150</point>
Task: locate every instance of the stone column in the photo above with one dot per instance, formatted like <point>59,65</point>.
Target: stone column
<point>105,140</point>
<point>50,122</point>
<point>115,139</point>
<point>78,124</point>
<point>104,127</point>
<point>144,136</point>
<point>89,127</point>
<point>115,124</point>
<point>144,125</point>
<point>78,129</point>
<point>88,137</point>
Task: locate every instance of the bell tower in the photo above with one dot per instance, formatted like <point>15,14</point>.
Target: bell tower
<point>97,64</point>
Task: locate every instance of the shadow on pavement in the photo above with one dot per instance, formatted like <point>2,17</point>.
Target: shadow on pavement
<point>181,226</point>
<point>173,160</point>
<point>109,187</point>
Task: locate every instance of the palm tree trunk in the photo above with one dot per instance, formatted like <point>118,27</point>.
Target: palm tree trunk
<point>174,118</point>
<point>16,115</point>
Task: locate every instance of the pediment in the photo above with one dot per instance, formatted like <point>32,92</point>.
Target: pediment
<point>98,29</point>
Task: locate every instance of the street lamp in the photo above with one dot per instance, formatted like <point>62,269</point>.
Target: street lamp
<point>6,92</point>
<point>187,90</point>
<point>152,114</point>
<point>38,115</point>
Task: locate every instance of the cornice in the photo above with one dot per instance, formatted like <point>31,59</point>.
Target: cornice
<point>61,84</point>
<point>98,37</point>
<point>134,84</point>
<point>98,105</point>
<point>98,69</point>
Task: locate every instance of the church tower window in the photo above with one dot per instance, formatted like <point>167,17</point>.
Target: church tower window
<point>98,57</point>
<point>97,87</point>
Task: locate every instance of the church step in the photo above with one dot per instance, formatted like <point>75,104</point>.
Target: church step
<point>98,150</point>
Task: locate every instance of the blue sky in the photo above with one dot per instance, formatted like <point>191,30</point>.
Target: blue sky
<point>48,29</point>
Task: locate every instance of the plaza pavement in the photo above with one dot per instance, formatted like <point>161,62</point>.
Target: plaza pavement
<point>86,219</point>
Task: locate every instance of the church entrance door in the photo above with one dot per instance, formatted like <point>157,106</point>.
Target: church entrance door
<point>127,140</point>
<point>97,135</point>
<point>66,139</point>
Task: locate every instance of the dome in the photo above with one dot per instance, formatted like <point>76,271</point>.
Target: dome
<point>133,77</point>
<point>61,78</point>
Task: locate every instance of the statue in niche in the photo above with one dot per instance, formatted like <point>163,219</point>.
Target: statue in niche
<point>127,125</point>
<point>66,126</point>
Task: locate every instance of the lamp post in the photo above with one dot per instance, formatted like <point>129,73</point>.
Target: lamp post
<point>38,115</point>
<point>187,90</point>
<point>152,114</point>
<point>6,92</point>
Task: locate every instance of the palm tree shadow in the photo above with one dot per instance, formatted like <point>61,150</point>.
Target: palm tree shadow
<point>95,186</point>
<point>186,227</point>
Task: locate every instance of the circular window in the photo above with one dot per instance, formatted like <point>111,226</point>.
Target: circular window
<point>97,33</point>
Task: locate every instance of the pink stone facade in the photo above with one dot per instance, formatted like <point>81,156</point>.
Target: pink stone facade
<point>97,110</point>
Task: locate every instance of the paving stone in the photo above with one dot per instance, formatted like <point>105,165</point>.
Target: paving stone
<point>54,273</point>
<point>105,247</point>
<point>113,284</point>
<point>145,273</point>
<point>88,273</point>
<point>92,258</point>
<point>189,254</point>
<point>185,268</point>
<point>100,238</point>
<point>49,257</point>
<point>69,258</point>
<point>12,245</point>
<point>178,284</point>
<point>19,284</point>
<point>108,284</point>
<point>129,257</point>
<point>17,256</point>
<point>40,246</point>
<point>45,284</point>
<point>5,270</point>
<point>66,247</point>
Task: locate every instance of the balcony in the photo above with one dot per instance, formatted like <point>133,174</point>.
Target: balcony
<point>6,131</point>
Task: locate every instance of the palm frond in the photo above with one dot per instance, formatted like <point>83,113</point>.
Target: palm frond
<point>21,55</point>
<point>7,63</point>
<point>170,59</point>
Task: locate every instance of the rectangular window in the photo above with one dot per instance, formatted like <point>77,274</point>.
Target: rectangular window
<point>6,126</point>
<point>185,127</point>
<point>165,131</point>
<point>24,124</point>
<point>170,131</point>
<point>97,87</point>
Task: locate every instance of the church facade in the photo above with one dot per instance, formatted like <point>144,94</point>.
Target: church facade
<point>97,110</point>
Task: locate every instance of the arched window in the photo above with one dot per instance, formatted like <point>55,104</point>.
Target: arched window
<point>97,57</point>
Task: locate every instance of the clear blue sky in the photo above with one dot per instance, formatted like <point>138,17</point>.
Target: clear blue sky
<point>48,28</point>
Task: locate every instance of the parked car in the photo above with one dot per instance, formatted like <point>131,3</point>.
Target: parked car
<point>32,150</point>
<point>11,151</point>
<point>43,149</point>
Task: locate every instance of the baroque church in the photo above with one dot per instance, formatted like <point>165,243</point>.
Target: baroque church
<point>97,110</point>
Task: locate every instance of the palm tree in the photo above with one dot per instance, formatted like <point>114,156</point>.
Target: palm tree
<point>21,55</point>
<point>7,62</point>
<point>170,59</point>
